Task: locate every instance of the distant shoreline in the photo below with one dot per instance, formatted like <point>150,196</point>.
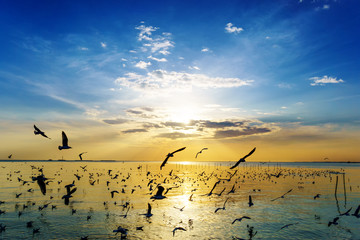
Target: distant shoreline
<point>150,161</point>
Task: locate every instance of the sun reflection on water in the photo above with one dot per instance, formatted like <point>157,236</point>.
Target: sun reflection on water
<point>98,213</point>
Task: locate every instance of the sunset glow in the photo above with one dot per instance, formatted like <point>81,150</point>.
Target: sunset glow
<point>231,77</point>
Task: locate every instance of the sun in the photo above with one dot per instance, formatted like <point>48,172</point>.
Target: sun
<point>184,114</point>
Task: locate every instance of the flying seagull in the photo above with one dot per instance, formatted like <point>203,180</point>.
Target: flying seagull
<point>178,228</point>
<point>68,195</point>
<point>38,131</point>
<point>334,221</point>
<point>222,208</point>
<point>317,196</point>
<point>64,142</point>
<point>288,225</point>
<point>80,155</point>
<point>158,194</point>
<point>121,230</point>
<point>113,192</point>
<point>41,182</point>
<point>170,155</point>
<point>239,219</point>
<point>282,196</point>
<point>148,213</point>
<point>243,158</point>
<point>200,152</point>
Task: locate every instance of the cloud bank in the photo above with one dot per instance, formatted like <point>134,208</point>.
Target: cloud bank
<point>162,79</point>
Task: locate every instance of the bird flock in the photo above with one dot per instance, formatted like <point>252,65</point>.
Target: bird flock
<point>135,200</point>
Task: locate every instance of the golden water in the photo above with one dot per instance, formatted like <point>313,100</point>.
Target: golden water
<point>309,216</point>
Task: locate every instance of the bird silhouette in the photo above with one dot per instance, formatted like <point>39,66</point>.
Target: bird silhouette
<point>121,230</point>
<point>170,155</point>
<point>282,196</point>
<point>41,182</point>
<point>243,158</point>
<point>37,131</point>
<point>69,193</point>
<point>9,156</point>
<point>190,198</point>
<point>222,208</point>
<point>201,151</point>
<point>346,213</point>
<point>333,222</point>
<point>80,155</point>
<point>64,142</point>
<point>181,209</point>
<point>288,225</point>
<point>148,213</point>
<point>178,228</point>
<point>113,192</point>
<point>158,194</point>
<point>240,219</point>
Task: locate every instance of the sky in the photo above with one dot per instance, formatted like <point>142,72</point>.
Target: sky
<point>134,80</point>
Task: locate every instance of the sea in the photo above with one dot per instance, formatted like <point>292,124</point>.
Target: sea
<point>200,200</point>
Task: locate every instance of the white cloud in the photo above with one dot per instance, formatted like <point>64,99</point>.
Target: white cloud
<point>83,48</point>
<point>161,45</point>
<point>157,59</point>
<point>326,6</point>
<point>230,28</point>
<point>324,80</point>
<point>194,68</point>
<point>155,43</point>
<point>142,64</point>
<point>205,50</point>
<point>162,79</point>
<point>103,45</point>
<point>145,32</point>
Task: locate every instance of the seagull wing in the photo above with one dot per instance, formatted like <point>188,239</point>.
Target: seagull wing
<point>64,139</point>
<point>164,162</point>
<point>252,151</point>
<point>44,135</point>
<point>36,128</point>
<point>238,162</point>
<point>346,213</point>
<point>238,219</point>
<point>72,191</point>
<point>357,211</point>
<point>42,186</point>
<point>218,209</point>
<point>149,209</point>
<point>178,150</point>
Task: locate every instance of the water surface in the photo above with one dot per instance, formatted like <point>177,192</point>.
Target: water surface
<point>98,214</point>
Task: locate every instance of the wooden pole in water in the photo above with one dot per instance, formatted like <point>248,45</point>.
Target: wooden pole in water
<point>344,189</point>
<point>337,202</point>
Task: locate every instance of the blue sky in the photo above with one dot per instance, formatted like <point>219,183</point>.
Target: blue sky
<point>175,72</point>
